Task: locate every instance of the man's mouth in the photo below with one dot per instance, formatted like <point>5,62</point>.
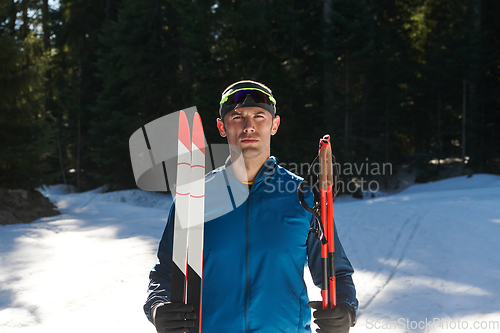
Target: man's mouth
<point>249,140</point>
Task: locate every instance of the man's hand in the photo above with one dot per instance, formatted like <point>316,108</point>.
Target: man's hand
<point>336,320</point>
<point>173,317</point>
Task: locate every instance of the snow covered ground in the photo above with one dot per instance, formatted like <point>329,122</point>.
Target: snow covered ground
<point>426,259</point>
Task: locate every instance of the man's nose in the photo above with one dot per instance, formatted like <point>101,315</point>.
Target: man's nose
<point>248,125</point>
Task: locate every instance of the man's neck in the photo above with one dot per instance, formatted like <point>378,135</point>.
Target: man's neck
<point>246,170</point>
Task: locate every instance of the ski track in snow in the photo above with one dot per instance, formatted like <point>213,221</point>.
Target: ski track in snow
<point>416,223</point>
<point>428,252</point>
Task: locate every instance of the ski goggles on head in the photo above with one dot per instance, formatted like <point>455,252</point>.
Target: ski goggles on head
<point>246,96</point>
<point>239,96</point>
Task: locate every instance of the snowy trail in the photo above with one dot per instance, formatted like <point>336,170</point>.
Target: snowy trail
<point>428,252</point>
<point>82,271</point>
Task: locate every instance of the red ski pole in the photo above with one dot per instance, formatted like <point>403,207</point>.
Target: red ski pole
<point>327,250</point>
<point>331,231</point>
<point>323,227</point>
<point>324,147</point>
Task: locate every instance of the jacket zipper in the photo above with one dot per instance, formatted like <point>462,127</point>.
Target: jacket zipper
<point>247,264</point>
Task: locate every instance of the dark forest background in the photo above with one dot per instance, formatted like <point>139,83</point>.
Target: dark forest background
<point>415,83</point>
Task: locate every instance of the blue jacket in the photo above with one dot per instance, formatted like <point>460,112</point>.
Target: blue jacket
<point>257,242</point>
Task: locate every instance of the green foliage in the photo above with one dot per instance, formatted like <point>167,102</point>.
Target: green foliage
<point>393,72</point>
<point>74,85</point>
<point>24,134</point>
<point>140,67</point>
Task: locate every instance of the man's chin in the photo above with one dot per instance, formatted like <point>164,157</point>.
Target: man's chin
<point>251,152</point>
<point>248,151</point>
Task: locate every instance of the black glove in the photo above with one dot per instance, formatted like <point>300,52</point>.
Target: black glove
<point>336,320</point>
<point>173,317</point>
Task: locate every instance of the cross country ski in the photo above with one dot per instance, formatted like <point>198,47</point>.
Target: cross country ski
<point>187,256</point>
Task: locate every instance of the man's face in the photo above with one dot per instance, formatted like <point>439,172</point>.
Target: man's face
<point>250,129</point>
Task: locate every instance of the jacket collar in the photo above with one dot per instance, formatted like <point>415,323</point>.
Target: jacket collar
<point>266,171</point>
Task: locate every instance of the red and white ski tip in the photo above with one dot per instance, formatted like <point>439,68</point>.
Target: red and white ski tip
<point>197,195</point>
<point>183,183</point>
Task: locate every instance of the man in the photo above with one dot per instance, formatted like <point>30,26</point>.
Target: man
<point>257,238</point>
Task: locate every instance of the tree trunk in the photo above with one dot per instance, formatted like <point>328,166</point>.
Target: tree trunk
<point>12,17</point>
<point>387,128</point>
<point>364,108</point>
<point>464,92</point>
<point>26,25</point>
<point>440,142</point>
<point>481,144</point>
<point>475,68</point>
<point>47,49</point>
<point>111,14</point>
<point>185,50</point>
<point>386,180</point>
<point>45,25</point>
<point>187,72</point>
<point>78,125</point>
<point>78,143</point>
<point>346,131</point>
<point>60,156</point>
<point>367,78</point>
<point>328,84</point>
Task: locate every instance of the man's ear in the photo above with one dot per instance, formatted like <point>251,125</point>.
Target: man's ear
<point>276,124</point>
<point>220,127</point>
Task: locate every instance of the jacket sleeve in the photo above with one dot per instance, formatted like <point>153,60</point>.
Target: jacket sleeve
<point>161,274</point>
<point>346,292</point>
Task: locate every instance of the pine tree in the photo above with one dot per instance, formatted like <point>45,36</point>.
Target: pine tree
<point>75,84</point>
<point>25,137</point>
<point>140,67</point>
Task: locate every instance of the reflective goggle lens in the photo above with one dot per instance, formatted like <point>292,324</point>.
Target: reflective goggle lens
<point>239,97</point>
